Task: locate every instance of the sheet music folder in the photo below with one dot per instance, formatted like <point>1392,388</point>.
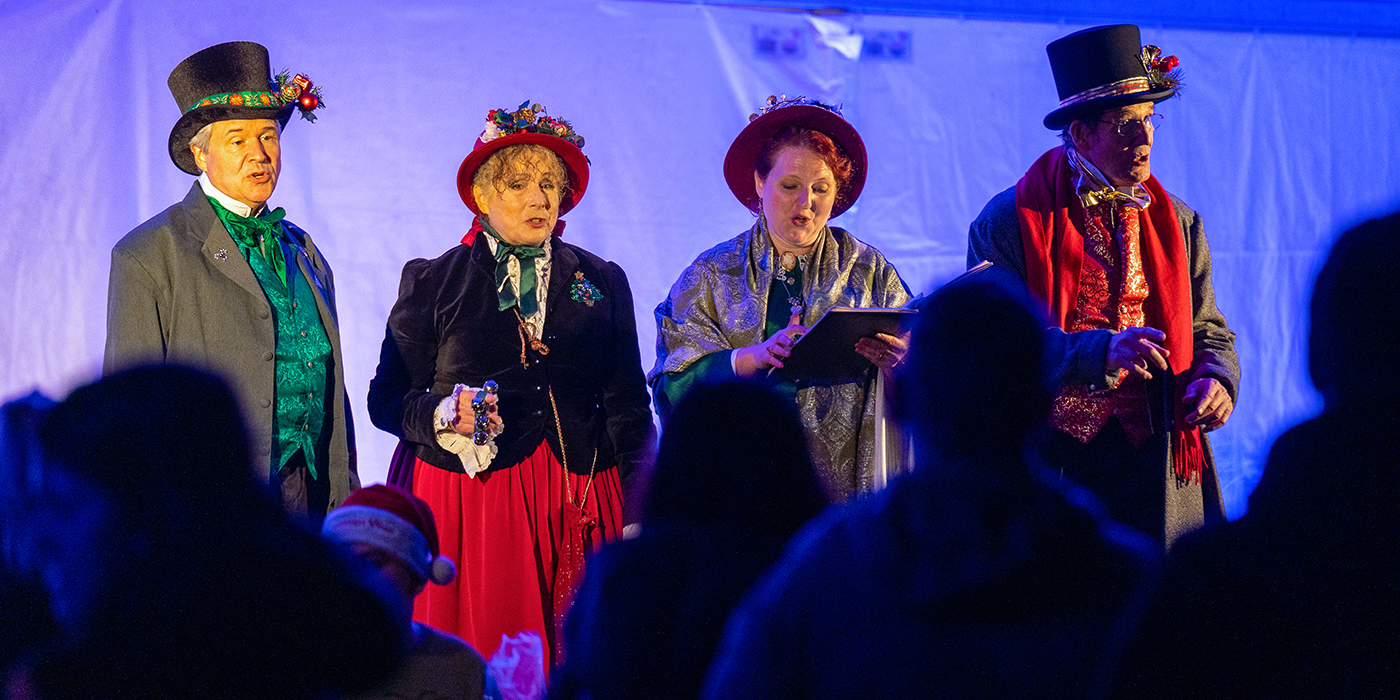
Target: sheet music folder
<point>827,352</point>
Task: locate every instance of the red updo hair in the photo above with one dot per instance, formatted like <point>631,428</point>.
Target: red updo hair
<point>815,141</point>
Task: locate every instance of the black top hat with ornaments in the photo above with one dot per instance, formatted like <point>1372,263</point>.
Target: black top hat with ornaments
<point>232,81</point>
<point>1105,68</point>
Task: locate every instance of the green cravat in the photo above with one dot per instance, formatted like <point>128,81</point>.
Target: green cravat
<point>505,293</point>
<point>261,233</point>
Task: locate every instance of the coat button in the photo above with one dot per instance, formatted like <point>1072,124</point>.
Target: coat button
<point>267,403</point>
<point>263,313</point>
<point>267,356</point>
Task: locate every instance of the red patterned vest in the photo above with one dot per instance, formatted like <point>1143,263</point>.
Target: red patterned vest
<point>1112,288</point>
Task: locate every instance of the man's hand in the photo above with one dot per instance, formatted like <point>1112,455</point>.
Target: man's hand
<point>1211,401</point>
<point>1137,349</point>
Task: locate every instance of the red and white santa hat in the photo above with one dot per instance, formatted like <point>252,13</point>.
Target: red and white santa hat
<point>395,521</point>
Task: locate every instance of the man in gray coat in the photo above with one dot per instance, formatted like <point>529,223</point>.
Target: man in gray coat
<point>221,282</point>
<point>1144,361</point>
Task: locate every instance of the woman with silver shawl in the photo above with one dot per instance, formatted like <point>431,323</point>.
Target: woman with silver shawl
<point>740,307</point>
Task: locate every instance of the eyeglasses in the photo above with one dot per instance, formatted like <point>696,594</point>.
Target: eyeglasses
<point>1130,127</point>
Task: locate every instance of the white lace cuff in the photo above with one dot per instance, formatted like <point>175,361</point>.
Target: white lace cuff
<point>475,458</point>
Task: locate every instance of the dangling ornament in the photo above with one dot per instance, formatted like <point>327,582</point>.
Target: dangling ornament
<point>300,91</point>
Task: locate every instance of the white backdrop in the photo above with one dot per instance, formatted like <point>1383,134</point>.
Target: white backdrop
<point>1279,141</point>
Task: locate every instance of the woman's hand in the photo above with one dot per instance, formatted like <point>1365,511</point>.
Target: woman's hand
<point>466,417</point>
<point>884,350</point>
<point>770,353</point>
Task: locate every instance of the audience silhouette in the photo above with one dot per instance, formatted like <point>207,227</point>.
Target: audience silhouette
<point>25,622</point>
<point>172,572</point>
<point>732,483</point>
<point>971,577</point>
<point>1300,598</point>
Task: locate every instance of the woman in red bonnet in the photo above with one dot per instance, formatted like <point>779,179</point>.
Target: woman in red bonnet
<point>529,479</point>
<point>739,309</point>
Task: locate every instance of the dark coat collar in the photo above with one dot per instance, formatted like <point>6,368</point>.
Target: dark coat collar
<point>220,251</point>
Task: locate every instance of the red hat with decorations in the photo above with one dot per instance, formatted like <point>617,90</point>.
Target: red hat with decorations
<point>232,81</point>
<point>1105,68</point>
<point>780,113</point>
<point>529,123</point>
<point>395,521</point>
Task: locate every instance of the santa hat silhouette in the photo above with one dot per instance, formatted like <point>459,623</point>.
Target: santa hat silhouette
<point>395,521</point>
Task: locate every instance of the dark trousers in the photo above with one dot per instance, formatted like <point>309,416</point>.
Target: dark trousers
<point>1128,480</point>
<point>304,498</point>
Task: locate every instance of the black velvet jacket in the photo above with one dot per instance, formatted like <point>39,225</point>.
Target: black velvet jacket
<point>446,329</point>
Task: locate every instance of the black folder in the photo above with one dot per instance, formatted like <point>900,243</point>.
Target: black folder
<point>828,352</point>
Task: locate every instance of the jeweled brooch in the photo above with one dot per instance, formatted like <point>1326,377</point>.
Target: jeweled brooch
<point>584,291</point>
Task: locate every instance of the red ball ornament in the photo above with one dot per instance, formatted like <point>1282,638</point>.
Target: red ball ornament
<point>1169,63</point>
<point>309,101</point>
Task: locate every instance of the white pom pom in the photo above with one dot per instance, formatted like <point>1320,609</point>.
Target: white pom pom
<point>443,570</point>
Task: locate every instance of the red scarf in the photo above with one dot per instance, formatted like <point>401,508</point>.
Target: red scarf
<point>1052,221</point>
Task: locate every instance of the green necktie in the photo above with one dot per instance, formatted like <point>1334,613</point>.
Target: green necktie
<point>261,233</point>
<point>505,293</point>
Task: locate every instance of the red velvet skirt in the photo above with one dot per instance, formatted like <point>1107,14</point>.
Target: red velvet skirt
<point>518,546</point>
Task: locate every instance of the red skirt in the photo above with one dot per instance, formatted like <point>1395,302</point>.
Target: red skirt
<point>518,555</point>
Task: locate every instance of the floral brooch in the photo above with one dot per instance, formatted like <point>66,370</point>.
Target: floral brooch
<point>583,291</point>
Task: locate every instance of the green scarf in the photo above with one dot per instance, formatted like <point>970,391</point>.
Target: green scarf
<point>505,292</point>
<point>261,233</point>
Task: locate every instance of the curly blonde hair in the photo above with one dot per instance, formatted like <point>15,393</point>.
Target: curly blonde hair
<point>523,157</point>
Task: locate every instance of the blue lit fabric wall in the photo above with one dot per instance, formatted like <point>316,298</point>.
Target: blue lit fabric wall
<point>1278,140</point>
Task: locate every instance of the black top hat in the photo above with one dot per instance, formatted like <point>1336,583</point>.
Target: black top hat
<point>1104,68</point>
<point>227,81</point>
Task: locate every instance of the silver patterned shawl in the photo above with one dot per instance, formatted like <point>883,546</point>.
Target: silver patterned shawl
<point>720,303</point>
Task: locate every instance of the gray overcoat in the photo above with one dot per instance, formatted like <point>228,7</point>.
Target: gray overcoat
<point>1080,357</point>
<point>180,291</point>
